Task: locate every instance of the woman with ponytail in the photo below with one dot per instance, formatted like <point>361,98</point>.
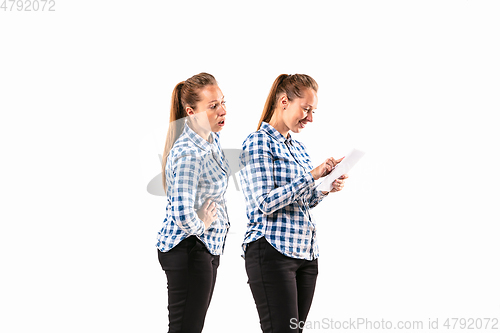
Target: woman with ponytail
<point>277,177</point>
<point>195,178</point>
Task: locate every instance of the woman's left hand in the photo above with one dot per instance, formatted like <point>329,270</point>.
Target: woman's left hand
<point>338,184</point>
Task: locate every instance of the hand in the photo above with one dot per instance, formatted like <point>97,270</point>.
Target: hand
<point>325,168</point>
<point>208,213</point>
<point>338,184</point>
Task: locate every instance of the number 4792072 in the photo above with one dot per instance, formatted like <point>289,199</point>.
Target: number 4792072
<point>28,5</point>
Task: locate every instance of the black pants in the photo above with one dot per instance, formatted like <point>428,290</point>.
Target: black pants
<point>282,287</point>
<point>191,272</point>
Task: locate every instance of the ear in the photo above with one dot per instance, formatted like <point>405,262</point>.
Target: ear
<point>283,101</point>
<point>189,111</point>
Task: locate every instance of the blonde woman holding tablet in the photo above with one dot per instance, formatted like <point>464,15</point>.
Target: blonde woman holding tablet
<point>280,246</point>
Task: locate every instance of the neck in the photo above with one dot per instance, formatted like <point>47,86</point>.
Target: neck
<point>278,123</point>
<point>200,130</point>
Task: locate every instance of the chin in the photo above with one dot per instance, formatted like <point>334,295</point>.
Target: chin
<point>216,129</point>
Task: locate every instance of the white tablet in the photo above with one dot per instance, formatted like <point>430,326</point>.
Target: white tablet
<point>342,168</point>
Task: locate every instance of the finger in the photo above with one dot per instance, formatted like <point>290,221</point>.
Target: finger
<point>339,160</point>
<point>328,162</point>
<point>337,185</point>
<point>205,205</point>
<point>210,205</point>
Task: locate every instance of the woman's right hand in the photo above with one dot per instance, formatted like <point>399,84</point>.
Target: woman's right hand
<point>325,168</point>
<point>208,213</point>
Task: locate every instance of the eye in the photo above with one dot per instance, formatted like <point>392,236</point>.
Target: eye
<point>223,102</point>
<point>213,106</point>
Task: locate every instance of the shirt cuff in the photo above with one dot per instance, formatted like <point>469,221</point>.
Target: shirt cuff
<point>321,195</point>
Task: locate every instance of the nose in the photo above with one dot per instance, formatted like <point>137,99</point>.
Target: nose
<point>309,117</point>
<point>222,110</point>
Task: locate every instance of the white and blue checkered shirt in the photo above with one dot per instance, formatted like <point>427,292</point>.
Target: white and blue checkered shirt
<point>279,192</point>
<point>196,170</point>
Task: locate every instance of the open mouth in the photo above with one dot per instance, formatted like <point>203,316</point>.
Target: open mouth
<point>221,123</point>
<point>301,124</point>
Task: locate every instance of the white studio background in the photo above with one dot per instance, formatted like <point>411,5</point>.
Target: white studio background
<point>85,93</point>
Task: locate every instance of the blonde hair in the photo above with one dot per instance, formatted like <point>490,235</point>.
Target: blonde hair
<point>186,93</point>
<point>291,86</point>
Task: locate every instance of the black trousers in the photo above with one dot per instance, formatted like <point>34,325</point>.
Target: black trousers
<point>191,272</point>
<point>282,287</point>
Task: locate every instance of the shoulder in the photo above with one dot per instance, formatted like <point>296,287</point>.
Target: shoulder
<point>257,145</point>
<point>257,140</point>
<point>185,152</point>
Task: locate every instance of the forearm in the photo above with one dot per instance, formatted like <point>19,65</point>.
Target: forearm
<point>189,222</point>
<point>271,200</point>
<point>184,193</point>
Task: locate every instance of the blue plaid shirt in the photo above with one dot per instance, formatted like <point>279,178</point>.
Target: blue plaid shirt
<point>279,192</point>
<point>196,170</point>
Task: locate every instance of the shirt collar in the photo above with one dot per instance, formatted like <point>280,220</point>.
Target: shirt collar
<point>197,139</point>
<point>274,133</point>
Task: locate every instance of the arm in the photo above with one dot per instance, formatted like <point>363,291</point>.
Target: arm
<point>187,171</point>
<point>315,196</point>
<point>257,162</point>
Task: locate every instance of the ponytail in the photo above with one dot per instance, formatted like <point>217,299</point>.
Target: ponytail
<point>271,100</point>
<point>175,128</point>
<point>291,86</point>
